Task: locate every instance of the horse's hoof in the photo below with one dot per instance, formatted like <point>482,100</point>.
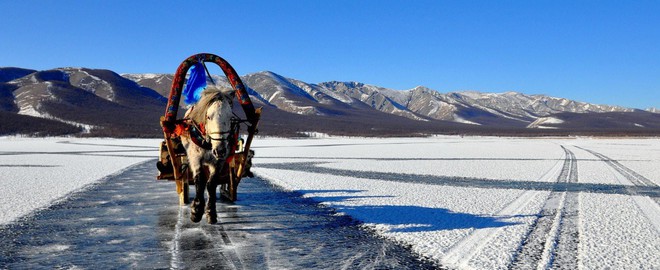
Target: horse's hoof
<point>196,211</point>
<point>211,216</point>
<point>195,218</point>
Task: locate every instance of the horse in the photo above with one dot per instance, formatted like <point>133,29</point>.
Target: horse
<point>212,113</point>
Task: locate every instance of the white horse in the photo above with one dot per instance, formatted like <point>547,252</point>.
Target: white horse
<point>213,113</point>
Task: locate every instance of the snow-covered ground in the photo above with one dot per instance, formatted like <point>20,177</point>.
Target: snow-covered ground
<point>467,203</point>
<point>35,172</point>
<point>472,203</point>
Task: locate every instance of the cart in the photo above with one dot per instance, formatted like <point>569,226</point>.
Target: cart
<point>173,162</point>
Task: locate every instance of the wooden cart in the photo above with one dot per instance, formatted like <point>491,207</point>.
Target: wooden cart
<point>173,162</point>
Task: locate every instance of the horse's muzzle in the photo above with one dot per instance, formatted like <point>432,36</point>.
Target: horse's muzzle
<point>220,153</point>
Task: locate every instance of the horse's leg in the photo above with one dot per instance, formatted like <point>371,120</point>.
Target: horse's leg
<point>211,185</point>
<point>197,206</point>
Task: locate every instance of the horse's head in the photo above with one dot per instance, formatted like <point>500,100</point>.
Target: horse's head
<point>215,111</point>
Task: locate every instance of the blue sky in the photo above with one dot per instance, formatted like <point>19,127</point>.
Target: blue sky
<point>605,52</point>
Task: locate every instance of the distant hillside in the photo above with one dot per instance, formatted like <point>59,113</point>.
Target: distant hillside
<point>12,123</point>
<point>94,102</point>
<point>431,111</point>
<point>99,102</point>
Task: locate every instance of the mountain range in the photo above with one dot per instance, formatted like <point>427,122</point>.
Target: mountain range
<point>97,102</point>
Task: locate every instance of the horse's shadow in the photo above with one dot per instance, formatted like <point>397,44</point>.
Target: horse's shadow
<point>409,218</point>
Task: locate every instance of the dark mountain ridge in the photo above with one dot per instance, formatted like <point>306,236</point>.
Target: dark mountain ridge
<point>96,102</point>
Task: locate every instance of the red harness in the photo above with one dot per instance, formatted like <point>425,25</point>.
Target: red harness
<point>196,132</point>
<point>183,126</point>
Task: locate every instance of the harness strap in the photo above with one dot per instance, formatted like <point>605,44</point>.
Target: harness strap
<point>202,129</point>
<point>196,132</point>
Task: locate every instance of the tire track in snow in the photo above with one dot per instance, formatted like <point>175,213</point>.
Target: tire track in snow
<point>651,211</point>
<point>634,177</point>
<point>565,255</point>
<point>461,253</point>
<point>545,183</point>
<point>552,239</point>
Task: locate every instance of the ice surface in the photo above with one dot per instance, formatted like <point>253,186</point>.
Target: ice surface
<point>467,203</point>
<point>38,171</point>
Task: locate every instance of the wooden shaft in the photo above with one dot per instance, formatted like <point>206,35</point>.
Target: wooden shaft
<point>248,142</point>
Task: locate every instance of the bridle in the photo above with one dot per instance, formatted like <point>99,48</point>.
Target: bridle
<point>224,135</point>
<point>230,136</point>
<point>203,139</point>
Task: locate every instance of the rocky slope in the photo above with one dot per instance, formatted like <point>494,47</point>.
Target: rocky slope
<point>104,103</point>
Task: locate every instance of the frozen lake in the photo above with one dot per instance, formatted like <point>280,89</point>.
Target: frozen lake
<point>467,203</point>
<point>488,203</point>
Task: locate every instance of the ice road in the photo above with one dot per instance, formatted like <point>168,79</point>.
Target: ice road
<point>129,220</point>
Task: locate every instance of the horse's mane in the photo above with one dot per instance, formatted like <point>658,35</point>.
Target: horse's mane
<point>210,95</point>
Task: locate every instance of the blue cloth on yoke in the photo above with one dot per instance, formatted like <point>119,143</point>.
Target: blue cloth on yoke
<point>195,85</point>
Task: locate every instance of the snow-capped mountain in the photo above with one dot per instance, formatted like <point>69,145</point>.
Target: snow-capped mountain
<point>282,93</point>
<point>509,109</point>
<point>161,83</point>
<point>86,98</point>
<point>465,107</point>
<point>101,101</point>
<point>369,95</point>
<point>419,103</point>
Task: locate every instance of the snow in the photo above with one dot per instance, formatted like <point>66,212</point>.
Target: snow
<point>617,236</point>
<point>94,84</point>
<point>552,120</point>
<point>143,76</point>
<point>466,203</point>
<point>338,96</point>
<point>434,105</point>
<point>27,107</point>
<point>38,172</point>
<point>270,100</point>
<point>158,77</point>
<point>27,104</point>
<point>545,120</point>
<point>496,112</point>
<point>283,82</point>
<point>86,128</point>
<point>314,134</point>
<point>29,110</point>
<point>407,114</point>
<point>403,189</point>
<point>464,121</point>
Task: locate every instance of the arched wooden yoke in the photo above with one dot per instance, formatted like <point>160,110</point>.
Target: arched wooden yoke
<point>232,76</point>
<point>236,165</point>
